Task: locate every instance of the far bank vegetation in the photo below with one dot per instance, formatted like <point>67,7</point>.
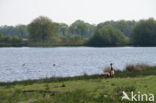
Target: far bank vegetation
<point>42,31</point>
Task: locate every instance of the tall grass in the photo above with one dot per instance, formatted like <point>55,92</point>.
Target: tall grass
<point>136,70</point>
<point>137,67</point>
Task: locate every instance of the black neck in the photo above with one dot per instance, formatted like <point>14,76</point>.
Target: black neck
<point>111,67</point>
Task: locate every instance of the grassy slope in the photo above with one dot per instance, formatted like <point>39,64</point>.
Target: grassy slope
<point>100,90</point>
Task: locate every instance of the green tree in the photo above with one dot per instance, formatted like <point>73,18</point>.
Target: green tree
<point>0,35</point>
<point>63,29</point>
<point>6,39</point>
<point>124,26</point>
<point>8,30</point>
<point>17,40</point>
<point>71,37</point>
<point>79,28</point>
<point>107,36</point>
<point>43,29</point>
<point>144,33</point>
<point>22,30</point>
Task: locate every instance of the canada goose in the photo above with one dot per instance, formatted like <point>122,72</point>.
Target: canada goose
<point>111,72</point>
<point>107,74</point>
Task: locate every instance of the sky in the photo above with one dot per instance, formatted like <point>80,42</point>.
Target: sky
<point>14,12</point>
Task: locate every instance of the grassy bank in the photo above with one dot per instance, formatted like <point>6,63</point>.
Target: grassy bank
<point>80,89</point>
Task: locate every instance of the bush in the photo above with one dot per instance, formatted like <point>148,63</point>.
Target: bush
<point>137,67</point>
<point>107,36</point>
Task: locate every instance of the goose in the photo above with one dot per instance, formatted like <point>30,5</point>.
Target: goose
<point>107,74</point>
<point>111,72</point>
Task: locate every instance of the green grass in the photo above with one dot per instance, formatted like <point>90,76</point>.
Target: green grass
<point>80,89</point>
<point>99,90</point>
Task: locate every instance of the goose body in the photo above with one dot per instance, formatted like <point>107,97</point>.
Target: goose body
<point>110,73</point>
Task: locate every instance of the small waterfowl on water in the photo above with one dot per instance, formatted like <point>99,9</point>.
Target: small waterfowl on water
<point>23,65</point>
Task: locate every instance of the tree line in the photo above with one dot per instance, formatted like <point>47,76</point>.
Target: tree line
<point>42,31</point>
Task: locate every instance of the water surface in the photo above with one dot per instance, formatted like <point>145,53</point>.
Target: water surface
<point>33,63</point>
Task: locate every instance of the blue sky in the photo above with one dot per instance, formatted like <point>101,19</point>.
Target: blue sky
<point>13,12</point>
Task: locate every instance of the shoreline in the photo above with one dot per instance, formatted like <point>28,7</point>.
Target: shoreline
<point>132,72</point>
<point>76,46</point>
<point>82,89</point>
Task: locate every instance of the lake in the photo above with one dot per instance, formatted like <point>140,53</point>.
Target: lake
<point>33,63</point>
